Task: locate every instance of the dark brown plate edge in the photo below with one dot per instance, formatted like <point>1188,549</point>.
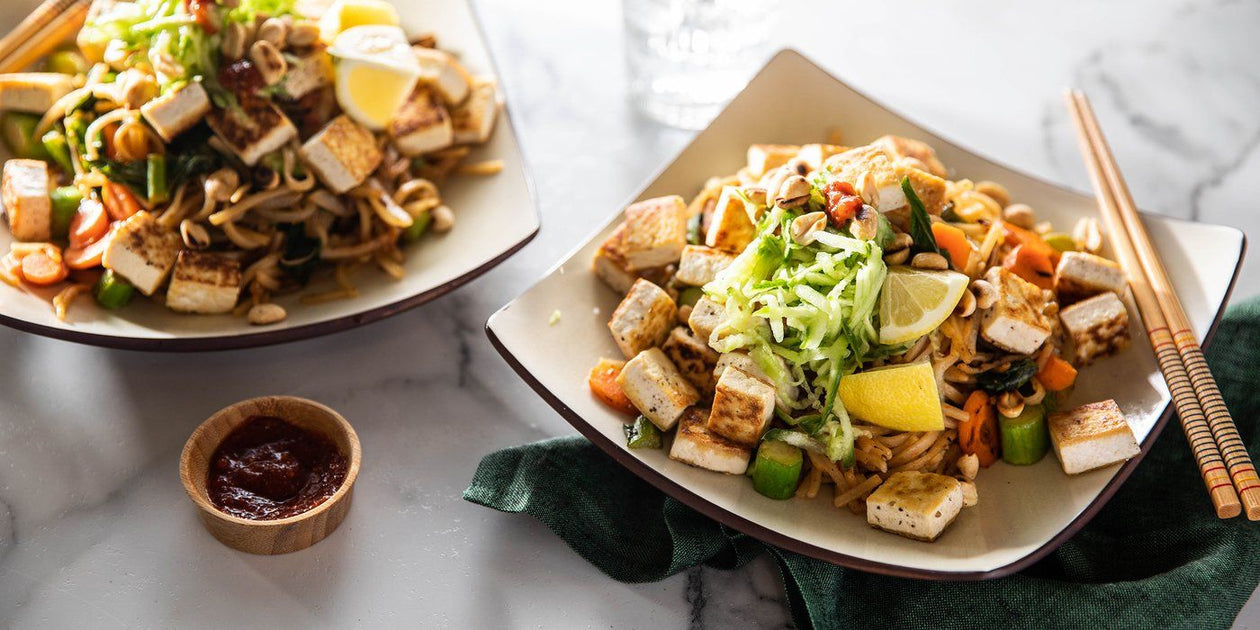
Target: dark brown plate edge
<point>751,528</point>
<point>326,327</point>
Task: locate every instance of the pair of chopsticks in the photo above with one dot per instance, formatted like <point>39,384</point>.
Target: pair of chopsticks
<point>45,28</point>
<point>1220,453</point>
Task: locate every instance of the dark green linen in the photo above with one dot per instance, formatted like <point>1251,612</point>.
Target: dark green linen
<point>1155,556</point>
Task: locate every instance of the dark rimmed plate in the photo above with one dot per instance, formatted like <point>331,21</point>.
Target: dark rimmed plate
<point>495,217</point>
<point>1024,512</point>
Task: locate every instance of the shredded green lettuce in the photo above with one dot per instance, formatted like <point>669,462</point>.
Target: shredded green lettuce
<point>806,316</point>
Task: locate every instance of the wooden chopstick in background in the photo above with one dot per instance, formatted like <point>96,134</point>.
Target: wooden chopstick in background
<point>44,29</point>
<point>1223,462</point>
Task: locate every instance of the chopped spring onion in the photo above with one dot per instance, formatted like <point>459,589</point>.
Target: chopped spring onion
<point>642,434</point>
<point>777,469</point>
<point>1025,438</point>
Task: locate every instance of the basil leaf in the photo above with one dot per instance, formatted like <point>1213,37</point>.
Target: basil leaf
<point>1014,377</point>
<point>920,224</point>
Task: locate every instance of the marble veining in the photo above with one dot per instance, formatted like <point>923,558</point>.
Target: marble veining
<point>95,530</point>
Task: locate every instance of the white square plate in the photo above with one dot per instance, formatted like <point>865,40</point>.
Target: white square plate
<point>1024,512</point>
<point>495,217</point>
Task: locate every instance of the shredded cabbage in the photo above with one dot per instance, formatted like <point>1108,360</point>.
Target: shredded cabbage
<point>806,316</point>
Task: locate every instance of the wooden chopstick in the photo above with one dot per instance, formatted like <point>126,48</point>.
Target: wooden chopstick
<point>44,29</point>
<point>1207,433</point>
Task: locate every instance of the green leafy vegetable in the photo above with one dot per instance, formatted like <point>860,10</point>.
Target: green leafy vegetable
<point>65,204</point>
<point>1014,377</point>
<point>58,150</point>
<point>642,434</point>
<point>920,224</point>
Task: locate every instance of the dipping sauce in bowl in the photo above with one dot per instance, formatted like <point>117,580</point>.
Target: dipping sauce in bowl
<point>268,469</point>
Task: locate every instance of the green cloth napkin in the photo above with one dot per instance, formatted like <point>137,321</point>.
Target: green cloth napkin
<point>1155,556</point>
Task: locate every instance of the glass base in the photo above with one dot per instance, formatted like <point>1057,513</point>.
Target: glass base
<point>690,117</point>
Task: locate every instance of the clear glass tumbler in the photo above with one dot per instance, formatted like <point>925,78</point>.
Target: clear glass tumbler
<point>687,58</point>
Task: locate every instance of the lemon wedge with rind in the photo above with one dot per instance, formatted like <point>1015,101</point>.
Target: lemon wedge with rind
<point>899,397</point>
<point>914,302</point>
<point>375,73</point>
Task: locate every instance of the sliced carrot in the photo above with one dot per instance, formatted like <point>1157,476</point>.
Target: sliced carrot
<point>89,225</point>
<point>954,241</point>
<point>1057,375</point>
<point>603,383</point>
<point>979,435</point>
<point>107,133</point>
<point>120,202</point>
<point>86,257</point>
<point>1016,235</point>
<point>1032,264</point>
<point>44,267</point>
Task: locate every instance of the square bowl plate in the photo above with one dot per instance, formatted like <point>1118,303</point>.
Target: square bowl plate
<point>1024,512</point>
<point>495,217</point>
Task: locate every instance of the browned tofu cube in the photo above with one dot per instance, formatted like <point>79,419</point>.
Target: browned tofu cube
<point>700,264</point>
<point>1098,327</point>
<point>743,406</point>
<point>25,192</point>
<point>887,173</point>
<point>643,319</point>
<point>693,357</point>
<point>730,227</point>
<point>762,158</point>
<point>1080,275</point>
<point>815,155</point>
<point>696,445</point>
<point>1016,322</point>
<point>656,388</point>
<point>905,148</point>
<point>656,232</point>
<point>915,504</point>
<point>342,154</point>
<point>1092,436</point>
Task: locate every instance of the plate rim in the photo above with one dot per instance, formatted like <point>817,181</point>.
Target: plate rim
<point>765,534</point>
<point>214,343</point>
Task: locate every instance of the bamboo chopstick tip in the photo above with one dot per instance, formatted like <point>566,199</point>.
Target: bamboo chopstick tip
<point>1226,502</point>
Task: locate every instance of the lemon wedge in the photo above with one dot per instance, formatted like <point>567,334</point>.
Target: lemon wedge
<point>376,71</point>
<point>345,14</point>
<point>900,397</point>
<point>914,302</point>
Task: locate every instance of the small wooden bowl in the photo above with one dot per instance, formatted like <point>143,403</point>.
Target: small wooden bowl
<point>280,535</point>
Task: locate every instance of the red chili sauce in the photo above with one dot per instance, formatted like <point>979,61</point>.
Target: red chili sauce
<point>268,469</point>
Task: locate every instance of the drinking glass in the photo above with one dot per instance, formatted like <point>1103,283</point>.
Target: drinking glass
<point>687,58</point>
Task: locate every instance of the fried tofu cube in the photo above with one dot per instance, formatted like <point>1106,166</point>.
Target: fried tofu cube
<point>307,74</point>
<point>730,227</point>
<point>695,445</point>
<point>699,265</point>
<point>693,357</point>
<point>1098,327</point>
<point>907,149</point>
<point>1016,322</point>
<point>175,112</point>
<point>1092,436</point>
<point>142,251</point>
<point>656,232</point>
<point>916,505</point>
<point>743,406</point>
<point>439,69</point>
<point>744,362</point>
<point>609,262</point>
<point>342,154</point>
<point>1080,275</point>
<point>763,158</point>
<point>473,122</point>
<point>422,124</point>
<point>25,193</point>
<point>204,283</point>
<point>705,317</point>
<point>656,388</point>
<point>815,155</point>
<point>887,173</point>
<point>643,319</point>
<point>252,130</point>
<point>33,92</point>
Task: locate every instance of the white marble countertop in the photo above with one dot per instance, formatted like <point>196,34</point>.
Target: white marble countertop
<point>95,530</point>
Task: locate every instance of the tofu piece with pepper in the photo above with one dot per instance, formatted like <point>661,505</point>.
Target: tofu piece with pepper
<point>439,69</point>
<point>1092,436</point>
<point>916,505</point>
<point>25,193</point>
<point>924,156</point>
<point>33,92</point>
<point>699,265</point>
<point>1016,322</point>
<point>342,154</point>
<point>731,228</point>
<point>1080,275</point>
<point>693,357</point>
<point>656,388</point>
<point>763,158</point>
<point>175,112</point>
<point>705,317</point>
<point>743,406</point>
<point>473,121</point>
<point>252,130</point>
<point>142,251</point>
<point>887,173</point>
<point>643,319</point>
<point>203,282</point>
<point>655,233</point>
<point>695,445</point>
<point>422,123</point>
<point>1098,327</point>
